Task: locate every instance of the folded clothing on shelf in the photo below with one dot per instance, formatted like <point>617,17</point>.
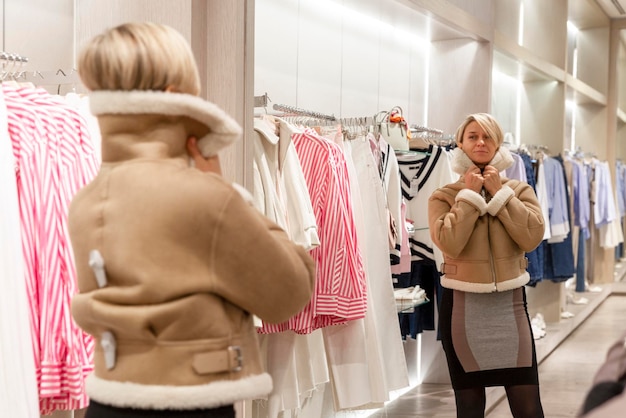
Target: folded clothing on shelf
<point>413,293</point>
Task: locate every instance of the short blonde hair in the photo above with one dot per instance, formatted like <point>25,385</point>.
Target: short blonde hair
<point>487,122</point>
<point>139,56</point>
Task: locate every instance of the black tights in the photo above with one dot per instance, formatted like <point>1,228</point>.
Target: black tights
<point>98,410</point>
<point>524,402</point>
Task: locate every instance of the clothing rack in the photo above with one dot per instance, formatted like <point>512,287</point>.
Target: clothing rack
<point>579,153</point>
<point>8,56</point>
<point>302,112</point>
<point>425,129</point>
<point>49,78</point>
<point>421,136</point>
<point>530,148</point>
<point>356,127</point>
<point>357,121</point>
<point>9,62</point>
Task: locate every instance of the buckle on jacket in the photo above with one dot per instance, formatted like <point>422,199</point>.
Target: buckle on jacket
<point>228,360</point>
<point>447,268</point>
<point>524,263</point>
<point>238,359</point>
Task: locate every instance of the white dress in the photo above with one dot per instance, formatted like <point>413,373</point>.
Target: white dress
<point>366,357</point>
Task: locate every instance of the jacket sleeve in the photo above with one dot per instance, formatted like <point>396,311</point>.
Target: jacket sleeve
<point>451,218</point>
<point>257,267</point>
<point>519,211</point>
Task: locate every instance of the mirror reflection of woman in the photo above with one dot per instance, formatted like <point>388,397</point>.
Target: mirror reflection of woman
<point>484,224</point>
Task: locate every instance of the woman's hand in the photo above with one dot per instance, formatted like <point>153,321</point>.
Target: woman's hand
<point>474,179</point>
<point>208,165</point>
<point>492,182</point>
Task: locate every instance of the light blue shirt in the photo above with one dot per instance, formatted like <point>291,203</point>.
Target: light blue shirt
<point>580,192</point>
<point>620,183</point>
<point>557,198</point>
<point>604,210</point>
<point>518,170</point>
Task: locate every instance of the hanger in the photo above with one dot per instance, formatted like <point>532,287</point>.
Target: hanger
<point>418,142</point>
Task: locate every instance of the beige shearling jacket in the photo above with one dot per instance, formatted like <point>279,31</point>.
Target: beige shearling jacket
<point>173,262</point>
<point>484,239</point>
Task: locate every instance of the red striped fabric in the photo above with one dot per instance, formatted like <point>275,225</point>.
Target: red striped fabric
<point>340,293</point>
<point>54,159</point>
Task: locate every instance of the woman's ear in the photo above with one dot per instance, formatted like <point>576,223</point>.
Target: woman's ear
<point>171,89</point>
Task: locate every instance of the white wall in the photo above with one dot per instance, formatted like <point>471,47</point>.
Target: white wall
<point>350,59</point>
<point>42,31</point>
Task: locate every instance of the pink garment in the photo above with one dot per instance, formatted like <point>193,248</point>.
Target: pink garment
<point>54,159</point>
<point>341,289</point>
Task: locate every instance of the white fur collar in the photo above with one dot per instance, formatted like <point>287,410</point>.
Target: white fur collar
<point>223,129</point>
<point>461,162</point>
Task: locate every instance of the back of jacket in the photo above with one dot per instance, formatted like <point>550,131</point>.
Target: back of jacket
<point>171,264</point>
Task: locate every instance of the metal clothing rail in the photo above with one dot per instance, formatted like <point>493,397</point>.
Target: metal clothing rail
<point>302,112</point>
<point>11,65</point>
<point>356,127</point>
<point>357,121</point>
<point>49,78</point>
<point>420,128</point>
<point>8,56</point>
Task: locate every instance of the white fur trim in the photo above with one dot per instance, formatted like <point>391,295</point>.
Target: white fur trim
<point>503,159</point>
<point>485,287</point>
<point>514,283</point>
<point>211,395</point>
<point>223,129</point>
<point>473,199</point>
<point>461,162</point>
<point>499,200</point>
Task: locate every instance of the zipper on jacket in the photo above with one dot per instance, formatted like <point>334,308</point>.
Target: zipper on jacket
<point>491,263</point>
<point>493,271</point>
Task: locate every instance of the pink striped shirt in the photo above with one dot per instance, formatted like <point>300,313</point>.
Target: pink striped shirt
<point>54,159</point>
<point>340,291</point>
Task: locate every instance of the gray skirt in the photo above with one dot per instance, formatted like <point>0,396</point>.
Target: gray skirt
<point>487,339</point>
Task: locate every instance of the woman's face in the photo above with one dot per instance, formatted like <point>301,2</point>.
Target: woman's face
<point>479,147</point>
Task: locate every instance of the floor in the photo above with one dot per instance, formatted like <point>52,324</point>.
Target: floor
<point>568,356</point>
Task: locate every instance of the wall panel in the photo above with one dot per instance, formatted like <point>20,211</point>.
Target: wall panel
<point>222,46</point>
<point>42,31</point>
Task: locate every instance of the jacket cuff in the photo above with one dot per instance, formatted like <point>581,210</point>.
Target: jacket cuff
<point>474,199</point>
<point>499,200</point>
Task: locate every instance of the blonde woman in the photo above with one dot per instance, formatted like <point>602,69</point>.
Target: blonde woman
<point>172,261</point>
<point>483,224</point>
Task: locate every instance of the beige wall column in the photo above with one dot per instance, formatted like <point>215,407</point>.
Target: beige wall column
<point>612,94</point>
<point>227,41</point>
<point>605,264</point>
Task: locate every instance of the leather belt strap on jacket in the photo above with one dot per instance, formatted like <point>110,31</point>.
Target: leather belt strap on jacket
<point>524,263</point>
<point>447,268</point>
<point>229,360</point>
